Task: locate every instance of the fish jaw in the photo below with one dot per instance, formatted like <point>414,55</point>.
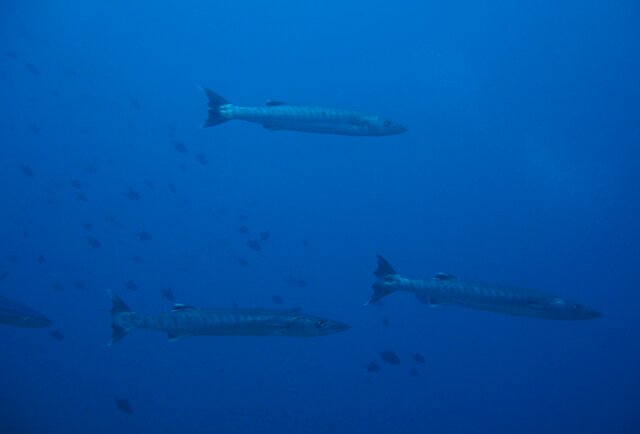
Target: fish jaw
<point>33,321</point>
<point>562,309</point>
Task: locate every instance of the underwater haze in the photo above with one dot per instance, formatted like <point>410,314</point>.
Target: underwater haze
<point>519,166</point>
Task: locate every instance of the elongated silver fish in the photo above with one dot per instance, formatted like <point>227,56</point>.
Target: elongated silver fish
<point>19,315</point>
<point>276,115</point>
<point>444,289</point>
<point>183,321</point>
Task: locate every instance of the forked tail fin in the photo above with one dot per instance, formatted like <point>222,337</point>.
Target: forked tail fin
<point>384,286</point>
<point>215,101</point>
<point>118,307</point>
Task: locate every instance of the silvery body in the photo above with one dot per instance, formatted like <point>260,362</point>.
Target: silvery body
<point>443,289</point>
<point>183,321</point>
<point>276,115</point>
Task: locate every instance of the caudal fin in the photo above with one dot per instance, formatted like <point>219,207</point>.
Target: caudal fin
<point>384,286</point>
<point>118,331</point>
<point>215,101</point>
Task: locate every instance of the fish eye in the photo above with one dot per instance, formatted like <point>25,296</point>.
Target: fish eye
<point>387,123</point>
<point>577,307</point>
<point>321,323</point>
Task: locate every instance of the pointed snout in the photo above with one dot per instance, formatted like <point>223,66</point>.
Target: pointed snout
<point>336,327</point>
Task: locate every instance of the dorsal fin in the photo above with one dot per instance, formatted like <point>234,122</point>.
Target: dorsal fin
<point>273,102</point>
<point>444,276</point>
<point>178,307</point>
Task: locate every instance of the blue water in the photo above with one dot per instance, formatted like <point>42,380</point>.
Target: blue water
<point>520,166</point>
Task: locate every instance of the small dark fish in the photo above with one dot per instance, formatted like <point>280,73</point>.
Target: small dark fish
<point>135,104</point>
<point>179,146</point>
<point>26,170</point>
<point>13,259</point>
<point>123,405</point>
<point>418,357</point>
<point>167,294</point>
<point>150,185</point>
<point>129,285</point>
<point>264,236</point>
<point>56,334</point>
<point>277,299</point>
<point>243,230</point>
<point>11,54</point>
<point>373,367</point>
<point>42,260</point>
<point>305,243</point>
<point>242,217</point>
<point>34,128</point>
<point>87,226</point>
<point>138,259</point>
<point>76,184</point>
<point>243,262</point>
<point>172,187</point>
<point>144,236</point>
<point>92,169</point>
<point>413,372</point>
<point>202,159</point>
<point>80,285</point>
<point>385,322</point>
<point>3,275</point>
<point>221,211</point>
<point>389,357</point>
<point>132,194</point>
<point>32,68</point>
<point>81,196</point>
<point>93,242</point>
<point>254,245</point>
<point>58,287</point>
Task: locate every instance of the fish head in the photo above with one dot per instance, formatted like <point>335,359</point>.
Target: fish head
<point>574,310</point>
<point>304,326</point>
<point>377,126</point>
<point>560,308</point>
<point>19,315</point>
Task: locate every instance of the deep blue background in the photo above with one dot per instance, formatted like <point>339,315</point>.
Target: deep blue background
<point>520,166</point>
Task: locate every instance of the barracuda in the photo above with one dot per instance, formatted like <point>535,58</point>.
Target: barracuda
<point>444,289</point>
<point>19,315</point>
<point>183,321</point>
<point>276,115</point>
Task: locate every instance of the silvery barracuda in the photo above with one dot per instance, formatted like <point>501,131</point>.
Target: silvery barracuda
<point>276,115</point>
<point>444,289</point>
<point>19,315</point>
<point>183,321</point>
